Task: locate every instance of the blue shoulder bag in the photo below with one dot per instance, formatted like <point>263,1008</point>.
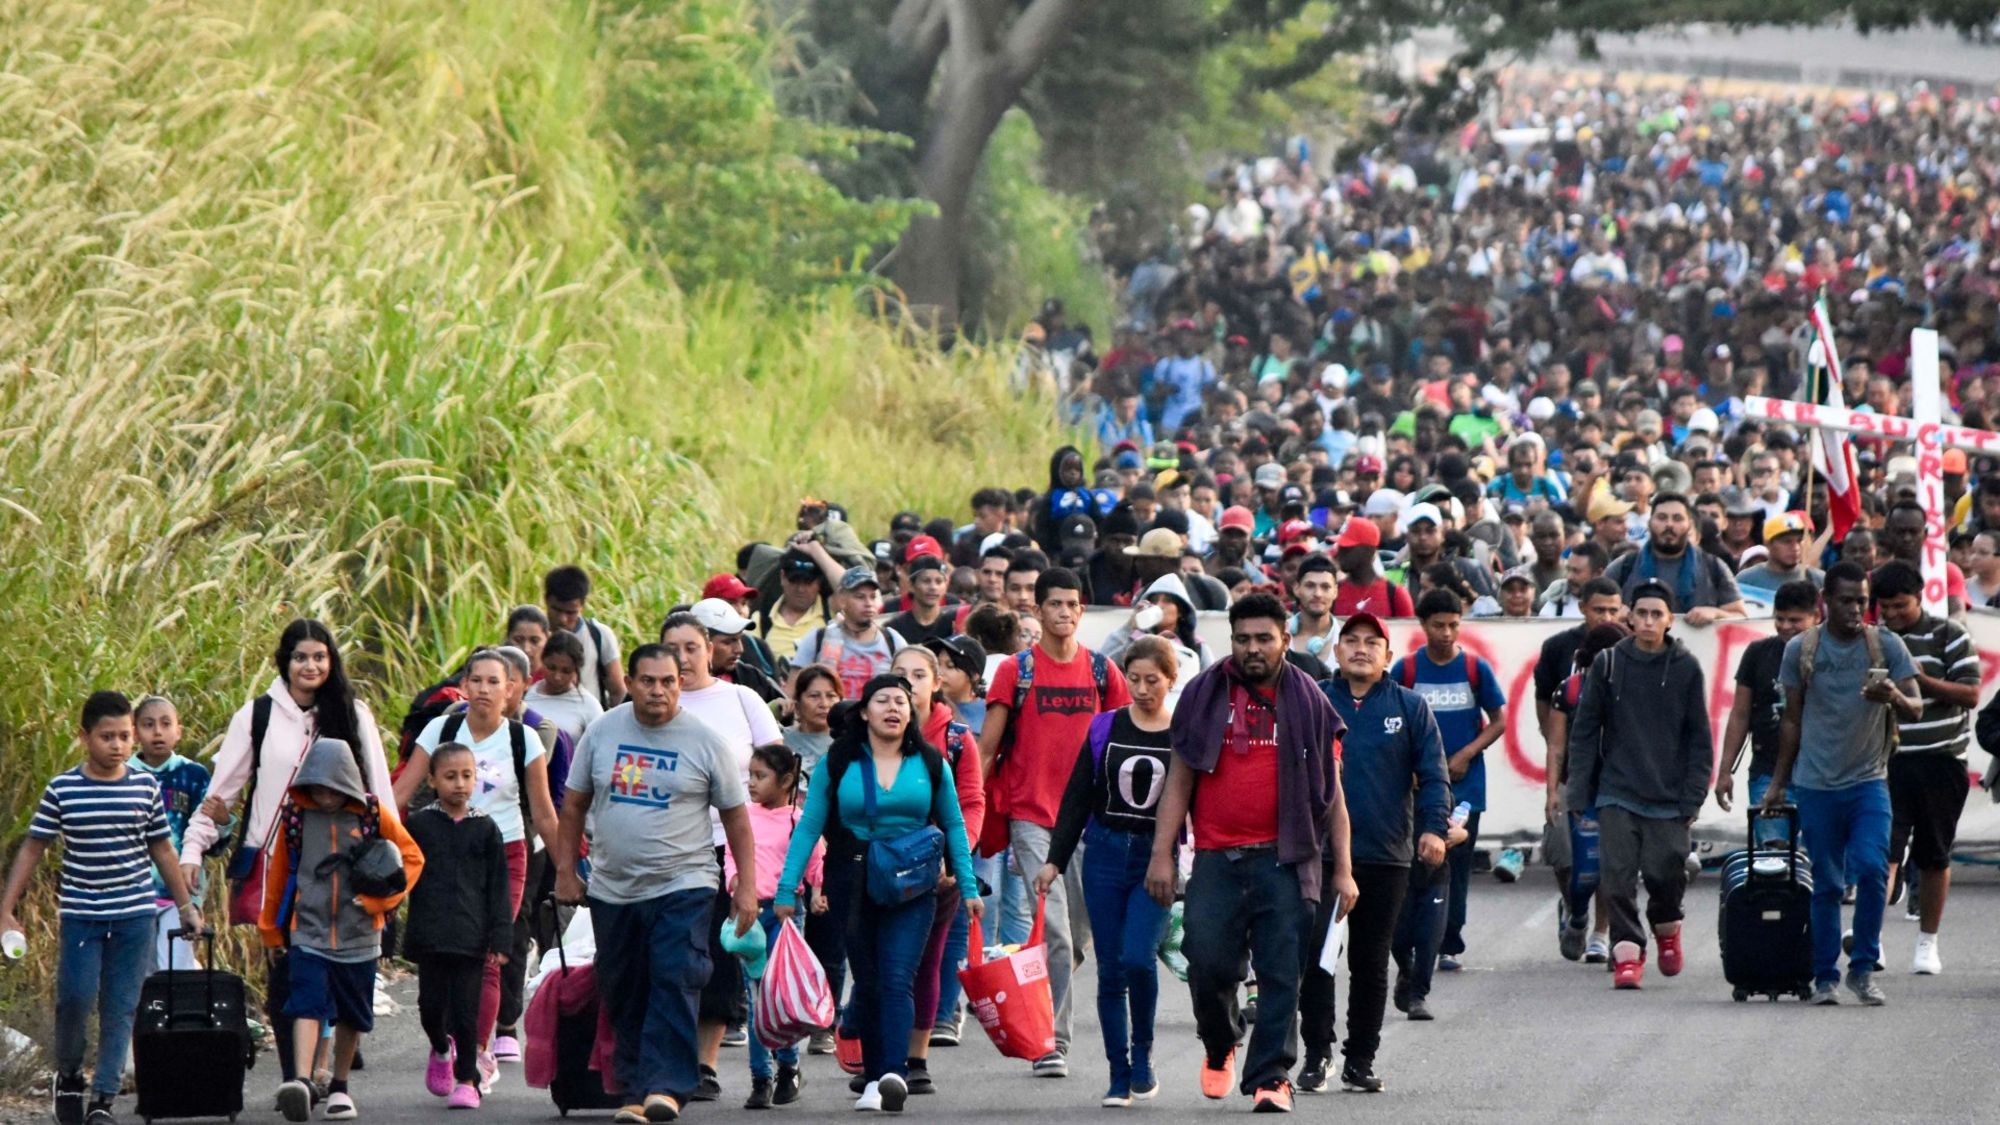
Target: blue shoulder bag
<point>906,867</point>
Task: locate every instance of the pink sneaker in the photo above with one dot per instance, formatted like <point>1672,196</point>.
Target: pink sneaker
<point>489,1072</point>
<point>463,1096</point>
<point>437,1075</point>
<point>506,1048</point>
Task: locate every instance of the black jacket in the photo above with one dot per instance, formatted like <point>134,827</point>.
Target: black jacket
<point>1640,737</point>
<point>461,904</point>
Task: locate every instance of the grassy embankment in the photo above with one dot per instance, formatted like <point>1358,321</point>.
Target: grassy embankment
<point>338,312</point>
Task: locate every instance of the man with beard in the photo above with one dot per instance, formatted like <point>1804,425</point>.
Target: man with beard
<point>1704,590</point>
<point>1254,766</point>
<point>1232,544</point>
<point>1546,536</point>
<point>1362,587</point>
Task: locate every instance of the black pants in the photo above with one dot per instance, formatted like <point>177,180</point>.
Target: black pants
<point>1369,929</point>
<point>532,927</point>
<point>448,1007</point>
<point>1420,930</point>
<point>1243,901</point>
<point>826,934</point>
<point>278,993</point>
<point>1634,849</point>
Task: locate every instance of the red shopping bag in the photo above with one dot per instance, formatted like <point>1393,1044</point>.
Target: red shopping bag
<point>793,1000</point>
<point>1011,995</point>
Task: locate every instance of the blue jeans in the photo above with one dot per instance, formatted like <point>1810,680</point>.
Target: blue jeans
<point>1128,926</point>
<point>652,960</point>
<point>1459,859</point>
<point>955,942</point>
<point>760,1055</point>
<point>101,966</point>
<point>1008,902</point>
<point>1769,830</point>
<point>1420,930</point>
<point>885,944</point>
<point>1847,834</point>
<point>1245,901</point>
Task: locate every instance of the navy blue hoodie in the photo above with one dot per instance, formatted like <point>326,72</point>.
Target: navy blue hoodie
<point>1392,771</point>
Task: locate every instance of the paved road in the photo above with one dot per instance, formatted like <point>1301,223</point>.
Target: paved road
<point>1521,1035</point>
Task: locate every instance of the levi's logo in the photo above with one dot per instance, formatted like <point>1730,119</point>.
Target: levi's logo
<point>1066,700</point>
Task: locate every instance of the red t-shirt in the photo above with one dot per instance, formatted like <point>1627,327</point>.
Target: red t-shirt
<point>1383,599</point>
<point>1236,805</point>
<point>1050,729</point>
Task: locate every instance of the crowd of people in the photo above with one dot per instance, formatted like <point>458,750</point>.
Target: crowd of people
<point>1496,375</point>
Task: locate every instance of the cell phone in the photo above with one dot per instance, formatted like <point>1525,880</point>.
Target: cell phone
<point>1878,676</point>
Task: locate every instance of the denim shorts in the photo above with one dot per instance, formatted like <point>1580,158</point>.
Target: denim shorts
<point>331,992</point>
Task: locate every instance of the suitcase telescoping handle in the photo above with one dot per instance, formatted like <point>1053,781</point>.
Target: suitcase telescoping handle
<point>548,902</point>
<point>208,978</point>
<point>1789,813</point>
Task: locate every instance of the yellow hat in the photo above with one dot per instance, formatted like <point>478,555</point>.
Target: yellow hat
<point>1604,505</point>
<point>1785,523</point>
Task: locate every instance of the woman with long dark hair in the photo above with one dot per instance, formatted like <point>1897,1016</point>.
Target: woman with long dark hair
<point>883,786</point>
<point>267,739</point>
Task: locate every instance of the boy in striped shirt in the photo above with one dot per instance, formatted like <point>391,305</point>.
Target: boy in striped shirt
<point>114,835</point>
<point>1927,779</point>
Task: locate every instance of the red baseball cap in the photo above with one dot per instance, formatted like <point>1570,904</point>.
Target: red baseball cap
<point>921,546</point>
<point>1367,464</point>
<point>1358,532</point>
<point>1292,530</point>
<point>728,587</point>
<point>1237,518</point>
<point>1369,619</point>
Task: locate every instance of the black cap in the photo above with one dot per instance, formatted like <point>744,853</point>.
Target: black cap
<point>1121,521</point>
<point>925,562</point>
<point>1077,527</point>
<point>968,655</point>
<point>798,562</point>
<point>1651,588</point>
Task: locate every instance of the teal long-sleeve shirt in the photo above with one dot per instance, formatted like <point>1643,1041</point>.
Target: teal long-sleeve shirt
<point>903,807</point>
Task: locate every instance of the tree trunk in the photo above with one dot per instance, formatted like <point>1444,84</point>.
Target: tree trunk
<point>982,75</point>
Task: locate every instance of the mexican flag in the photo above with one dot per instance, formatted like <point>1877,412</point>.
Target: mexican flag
<point>1832,452</point>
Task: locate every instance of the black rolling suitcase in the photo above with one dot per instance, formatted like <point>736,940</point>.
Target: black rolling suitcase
<point>1766,915</point>
<point>191,1045</point>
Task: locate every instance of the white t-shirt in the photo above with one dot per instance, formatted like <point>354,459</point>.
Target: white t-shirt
<point>498,793</point>
<point>595,657</point>
<point>572,711</point>
<point>739,718</point>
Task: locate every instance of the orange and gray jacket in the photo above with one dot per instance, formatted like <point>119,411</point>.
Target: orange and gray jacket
<point>307,902</point>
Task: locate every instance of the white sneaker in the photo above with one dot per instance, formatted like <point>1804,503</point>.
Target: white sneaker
<point>870,1100</point>
<point>1927,963</point>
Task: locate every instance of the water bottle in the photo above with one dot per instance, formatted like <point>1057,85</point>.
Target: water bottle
<point>14,944</point>
<point>1461,814</point>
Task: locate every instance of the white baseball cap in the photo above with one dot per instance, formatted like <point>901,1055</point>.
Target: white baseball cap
<point>717,616</point>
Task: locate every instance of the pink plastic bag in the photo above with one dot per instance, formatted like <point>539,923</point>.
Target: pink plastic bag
<point>793,1001</point>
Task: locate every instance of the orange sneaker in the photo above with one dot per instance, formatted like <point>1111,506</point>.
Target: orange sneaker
<point>1218,1081</point>
<point>1274,1098</point>
<point>1670,954</point>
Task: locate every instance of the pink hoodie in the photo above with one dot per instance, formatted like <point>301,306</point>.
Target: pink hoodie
<point>772,831</point>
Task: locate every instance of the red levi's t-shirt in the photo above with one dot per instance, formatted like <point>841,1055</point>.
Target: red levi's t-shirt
<point>1049,730</point>
<point>1236,804</point>
<point>1383,599</point>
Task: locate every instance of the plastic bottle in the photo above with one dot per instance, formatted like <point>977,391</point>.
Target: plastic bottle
<point>1461,814</point>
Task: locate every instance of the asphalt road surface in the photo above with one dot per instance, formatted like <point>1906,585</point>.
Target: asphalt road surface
<point>1520,1035</point>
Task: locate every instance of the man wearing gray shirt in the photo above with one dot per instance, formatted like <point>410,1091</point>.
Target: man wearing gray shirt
<point>1846,686</point>
<point>645,776</point>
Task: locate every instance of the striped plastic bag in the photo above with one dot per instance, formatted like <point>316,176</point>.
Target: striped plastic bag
<point>793,1000</point>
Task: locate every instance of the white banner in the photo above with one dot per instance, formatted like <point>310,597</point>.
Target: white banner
<point>1514,774</point>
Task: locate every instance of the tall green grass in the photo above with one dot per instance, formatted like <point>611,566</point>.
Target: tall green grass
<point>328,310</point>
